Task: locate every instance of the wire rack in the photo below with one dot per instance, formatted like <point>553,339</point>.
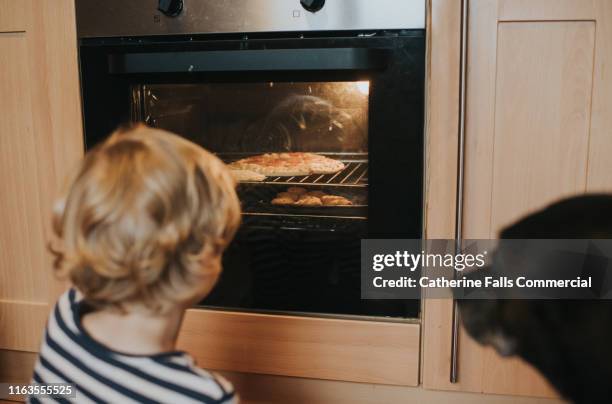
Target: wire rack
<point>354,174</point>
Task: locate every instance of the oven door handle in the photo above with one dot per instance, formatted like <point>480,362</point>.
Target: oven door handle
<point>249,61</point>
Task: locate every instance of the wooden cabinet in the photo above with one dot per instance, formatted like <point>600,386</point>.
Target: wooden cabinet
<point>319,348</point>
<point>40,139</point>
<point>538,125</point>
<point>539,107</point>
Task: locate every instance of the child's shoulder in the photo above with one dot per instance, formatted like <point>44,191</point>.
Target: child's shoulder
<point>169,377</point>
<point>203,381</point>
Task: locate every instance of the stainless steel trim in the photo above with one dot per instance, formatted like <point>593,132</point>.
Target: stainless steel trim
<point>295,215</point>
<point>399,320</point>
<point>465,4</point>
<point>118,18</point>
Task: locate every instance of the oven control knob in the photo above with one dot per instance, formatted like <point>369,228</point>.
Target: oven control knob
<point>170,8</point>
<point>313,5</point>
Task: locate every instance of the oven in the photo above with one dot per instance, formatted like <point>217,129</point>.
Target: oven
<point>344,79</point>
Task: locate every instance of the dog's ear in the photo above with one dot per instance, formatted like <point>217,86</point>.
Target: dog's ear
<point>578,217</point>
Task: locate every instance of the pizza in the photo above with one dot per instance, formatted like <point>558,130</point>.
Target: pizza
<point>246,175</point>
<point>288,164</point>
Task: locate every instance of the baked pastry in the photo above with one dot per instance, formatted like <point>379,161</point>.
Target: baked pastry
<point>298,196</point>
<point>318,194</point>
<point>283,201</point>
<point>297,191</point>
<point>290,195</point>
<point>334,200</point>
<point>309,201</point>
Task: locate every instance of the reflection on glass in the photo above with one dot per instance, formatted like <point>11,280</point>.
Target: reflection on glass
<point>264,117</point>
<point>363,87</point>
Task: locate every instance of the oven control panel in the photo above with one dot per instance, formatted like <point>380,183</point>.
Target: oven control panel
<point>133,18</point>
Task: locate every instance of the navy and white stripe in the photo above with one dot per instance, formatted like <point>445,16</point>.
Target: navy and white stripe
<point>69,355</point>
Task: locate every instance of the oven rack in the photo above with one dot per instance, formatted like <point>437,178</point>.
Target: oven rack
<point>354,174</point>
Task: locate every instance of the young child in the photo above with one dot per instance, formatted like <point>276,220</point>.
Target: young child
<point>140,234</point>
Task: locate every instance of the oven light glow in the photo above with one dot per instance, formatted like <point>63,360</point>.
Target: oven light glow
<point>363,87</point>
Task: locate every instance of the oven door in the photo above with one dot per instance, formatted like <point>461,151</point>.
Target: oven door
<point>356,99</point>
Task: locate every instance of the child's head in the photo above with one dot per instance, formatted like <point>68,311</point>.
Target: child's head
<point>145,221</point>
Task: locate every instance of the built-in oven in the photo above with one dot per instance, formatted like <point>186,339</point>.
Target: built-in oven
<point>342,79</point>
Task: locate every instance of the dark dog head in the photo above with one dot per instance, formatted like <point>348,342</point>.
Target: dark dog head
<point>570,342</point>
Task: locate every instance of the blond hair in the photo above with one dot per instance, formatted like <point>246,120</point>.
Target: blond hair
<point>144,212</point>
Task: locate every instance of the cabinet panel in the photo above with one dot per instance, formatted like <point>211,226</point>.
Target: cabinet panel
<point>538,124</point>
<point>320,348</point>
<point>544,82</point>
<point>442,115</point>
<point>599,177</point>
<point>13,17</point>
<point>24,263</point>
<point>528,137</point>
<point>22,324</point>
<point>40,141</point>
<point>532,90</point>
<point>19,188</point>
<point>546,10</point>
<point>442,118</point>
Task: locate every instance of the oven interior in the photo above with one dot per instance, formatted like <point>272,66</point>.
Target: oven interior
<point>235,121</point>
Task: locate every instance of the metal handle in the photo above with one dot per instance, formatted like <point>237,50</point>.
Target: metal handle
<point>249,61</point>
<point>465,4</point>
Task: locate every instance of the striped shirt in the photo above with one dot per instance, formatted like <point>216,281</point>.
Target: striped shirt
<point>69,355</point>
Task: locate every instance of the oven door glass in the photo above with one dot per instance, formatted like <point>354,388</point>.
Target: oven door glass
<point>301,253</point>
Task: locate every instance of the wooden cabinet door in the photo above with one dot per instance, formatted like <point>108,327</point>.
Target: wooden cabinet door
<point>40,140</point>
<point>538,128</point>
